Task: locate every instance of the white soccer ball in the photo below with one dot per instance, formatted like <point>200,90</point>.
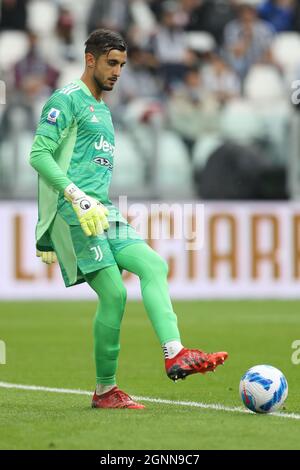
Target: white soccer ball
<point>263,389</point>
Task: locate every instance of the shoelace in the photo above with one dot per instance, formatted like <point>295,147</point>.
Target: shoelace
<point>194,361</point>
<point>203,356</point>
<point>123,396</point>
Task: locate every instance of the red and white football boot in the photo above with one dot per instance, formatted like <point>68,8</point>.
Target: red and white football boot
<point>115,398</point>
<point>193,361</point>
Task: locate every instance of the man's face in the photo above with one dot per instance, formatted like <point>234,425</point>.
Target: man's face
<point>248,14</point>
<point>107,69</point>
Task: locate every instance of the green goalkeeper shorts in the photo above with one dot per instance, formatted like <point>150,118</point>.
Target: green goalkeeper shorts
<point>78,254</point>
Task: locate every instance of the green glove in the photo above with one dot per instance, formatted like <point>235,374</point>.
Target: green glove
<point>90,212</point>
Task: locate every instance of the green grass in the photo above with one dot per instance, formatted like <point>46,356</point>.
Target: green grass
<point>50,344</point>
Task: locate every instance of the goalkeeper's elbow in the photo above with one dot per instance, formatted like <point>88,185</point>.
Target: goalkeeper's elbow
<point>32,161</point>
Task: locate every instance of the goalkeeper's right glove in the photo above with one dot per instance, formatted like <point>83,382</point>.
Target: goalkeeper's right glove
<point>90,212</point>
<point>47,257</point>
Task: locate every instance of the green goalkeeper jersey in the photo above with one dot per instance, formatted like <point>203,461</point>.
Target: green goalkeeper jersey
<point>82,132</point>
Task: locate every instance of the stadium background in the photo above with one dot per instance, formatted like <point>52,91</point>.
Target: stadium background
<point>200,114</point>
<point>206,112</point>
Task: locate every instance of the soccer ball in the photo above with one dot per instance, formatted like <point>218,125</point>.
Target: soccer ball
<point>263,389</point>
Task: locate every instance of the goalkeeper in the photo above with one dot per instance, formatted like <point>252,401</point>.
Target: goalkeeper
<point>73,153</point>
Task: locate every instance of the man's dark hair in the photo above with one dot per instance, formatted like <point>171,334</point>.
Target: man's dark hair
<point>102,41</point>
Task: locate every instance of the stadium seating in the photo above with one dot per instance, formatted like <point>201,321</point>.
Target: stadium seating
<point>200,41</point>
<point>143,17</point>
<point>174,171</point>
<point>286,52</point>
<point>42,16</point>
<point>13,47</point>
<point>72,72</point>
<point>262,116</point>
<point>239,121</point>
<point>128,173</point>
<point>203,149</point>
<point>263,84</point>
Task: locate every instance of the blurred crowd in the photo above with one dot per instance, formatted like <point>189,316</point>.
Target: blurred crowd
<point>215,73</point>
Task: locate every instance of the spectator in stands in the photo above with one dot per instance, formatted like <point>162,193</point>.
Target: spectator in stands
<point>169,45</point>
<point>143,23</point>
<point>35,79</point>
<point>296,17</point>
<point>140,78</point>
<point>64,30</point>
<point>247,40</point>
<point>13,14</point>
<point>209,15</point>
<point>280,13</point>
<point>185,8</point>
<point>191,110</point>
<point>110,14</point>
<point>156,7</point>
<point>220,80</point>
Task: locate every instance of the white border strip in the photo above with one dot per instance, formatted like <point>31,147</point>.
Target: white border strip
<point>204,406</point>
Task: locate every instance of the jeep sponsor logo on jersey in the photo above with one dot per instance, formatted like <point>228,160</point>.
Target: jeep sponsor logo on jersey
<point>105,146</point>
<point>103,162</point>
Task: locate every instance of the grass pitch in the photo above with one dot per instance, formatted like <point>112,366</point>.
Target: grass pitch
<point>50,344</point>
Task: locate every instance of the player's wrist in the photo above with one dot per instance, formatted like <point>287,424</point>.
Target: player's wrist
<point>72,193</point>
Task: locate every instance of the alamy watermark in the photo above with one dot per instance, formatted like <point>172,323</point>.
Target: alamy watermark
<point>296,354</point>
<point>165,221</point>
<point>2,353</point>
<point>295,97</point>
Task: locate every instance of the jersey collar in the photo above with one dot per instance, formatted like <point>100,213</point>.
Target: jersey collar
<point>85,89</point>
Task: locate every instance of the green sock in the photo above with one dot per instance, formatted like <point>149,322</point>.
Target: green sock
<point>152,270</point>
<point>108,285</point>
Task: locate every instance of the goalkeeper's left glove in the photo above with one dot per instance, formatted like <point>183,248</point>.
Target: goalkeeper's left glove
<point>47,257</point>
<point>90,212</point>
